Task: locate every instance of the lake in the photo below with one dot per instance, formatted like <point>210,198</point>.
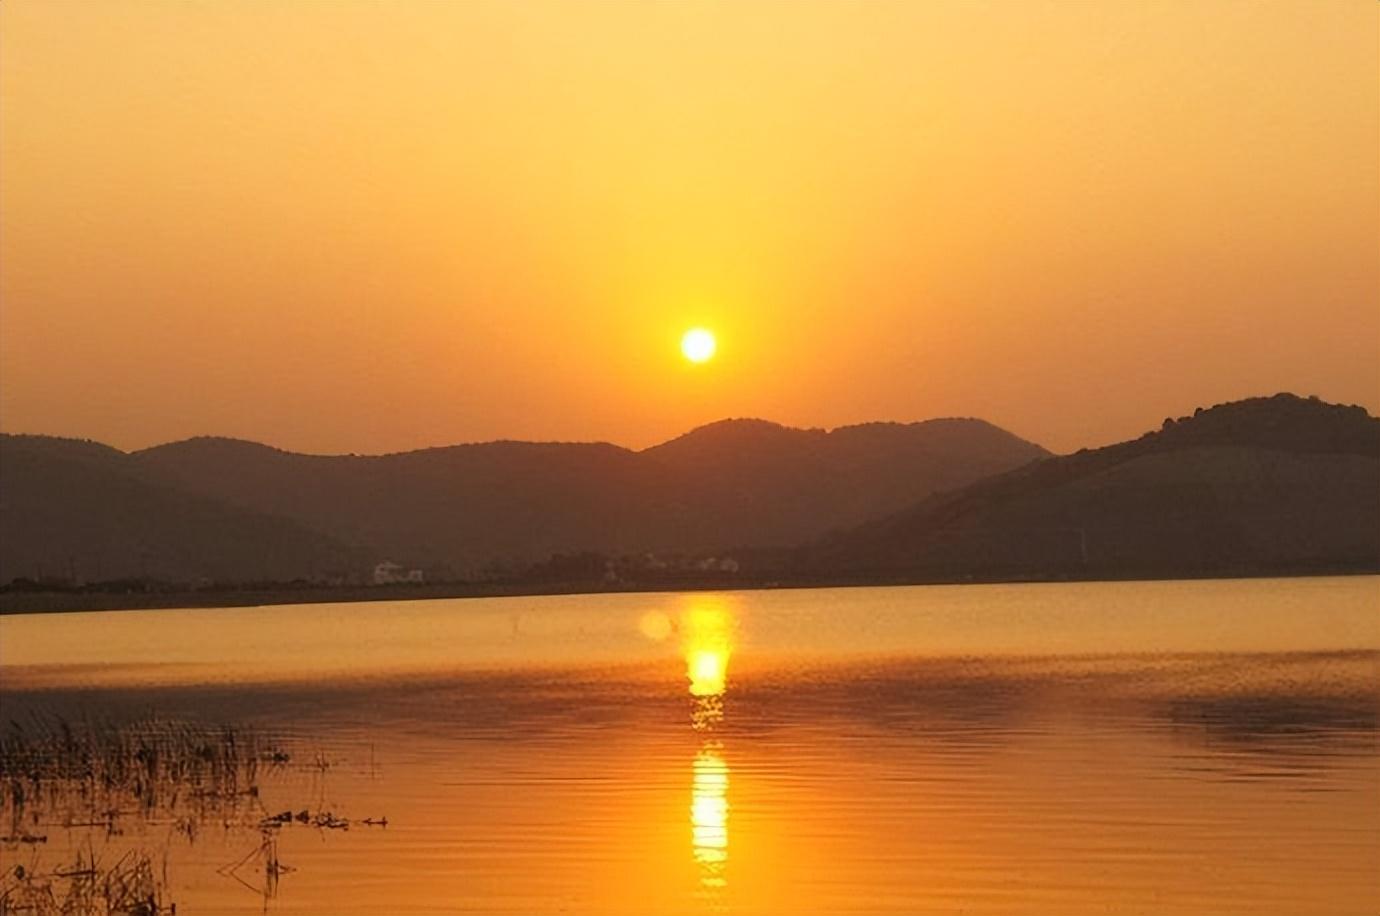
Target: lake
<point>1204,747</point>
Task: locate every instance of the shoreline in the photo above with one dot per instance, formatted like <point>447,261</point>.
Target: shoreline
<point>37,602</point>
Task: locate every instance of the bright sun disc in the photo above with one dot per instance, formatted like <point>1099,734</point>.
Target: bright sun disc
<point>697,345</point>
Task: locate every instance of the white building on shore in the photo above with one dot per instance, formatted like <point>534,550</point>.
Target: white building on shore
<point>390,573</point>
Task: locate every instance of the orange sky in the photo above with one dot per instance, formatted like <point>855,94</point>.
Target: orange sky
<point>371,227</point>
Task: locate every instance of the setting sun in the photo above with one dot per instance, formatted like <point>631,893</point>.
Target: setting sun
<point>698,345</point>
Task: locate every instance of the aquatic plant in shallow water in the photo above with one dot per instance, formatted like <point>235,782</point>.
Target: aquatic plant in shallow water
<point>129,886</point>
<point>94,777</point>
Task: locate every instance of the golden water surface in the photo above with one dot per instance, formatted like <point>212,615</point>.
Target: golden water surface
<point>1176,747</point>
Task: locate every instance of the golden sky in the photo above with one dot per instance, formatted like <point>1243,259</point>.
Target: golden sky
<point>377,226</point>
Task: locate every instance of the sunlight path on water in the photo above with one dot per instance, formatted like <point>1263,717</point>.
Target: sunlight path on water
<point>1181,749</point>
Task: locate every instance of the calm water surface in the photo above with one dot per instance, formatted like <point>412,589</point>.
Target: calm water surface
<point>1169,747</point>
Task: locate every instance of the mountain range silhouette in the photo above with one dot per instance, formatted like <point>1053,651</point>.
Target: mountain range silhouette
<point>1279,484</point>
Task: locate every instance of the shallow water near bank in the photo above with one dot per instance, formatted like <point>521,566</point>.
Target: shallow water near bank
<point>1151,747</point>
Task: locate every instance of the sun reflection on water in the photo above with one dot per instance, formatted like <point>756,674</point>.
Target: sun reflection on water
<point>707,631</point>
<point>709,816</point>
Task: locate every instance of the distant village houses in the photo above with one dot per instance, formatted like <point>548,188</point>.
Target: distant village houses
<point>390,573</point>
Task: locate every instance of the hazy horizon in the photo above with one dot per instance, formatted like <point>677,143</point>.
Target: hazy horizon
<point>1149,427</point>
<point>364,228</point>
<point>538,441</point>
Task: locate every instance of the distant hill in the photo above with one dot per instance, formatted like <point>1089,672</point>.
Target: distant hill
<point>72,509</point>
<point>1274,484</point>
<point>232,510</point>
<point>750,482</point>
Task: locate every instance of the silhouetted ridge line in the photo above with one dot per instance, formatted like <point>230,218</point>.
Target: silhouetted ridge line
<point>1266,484</point>
<point>462,511</point>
